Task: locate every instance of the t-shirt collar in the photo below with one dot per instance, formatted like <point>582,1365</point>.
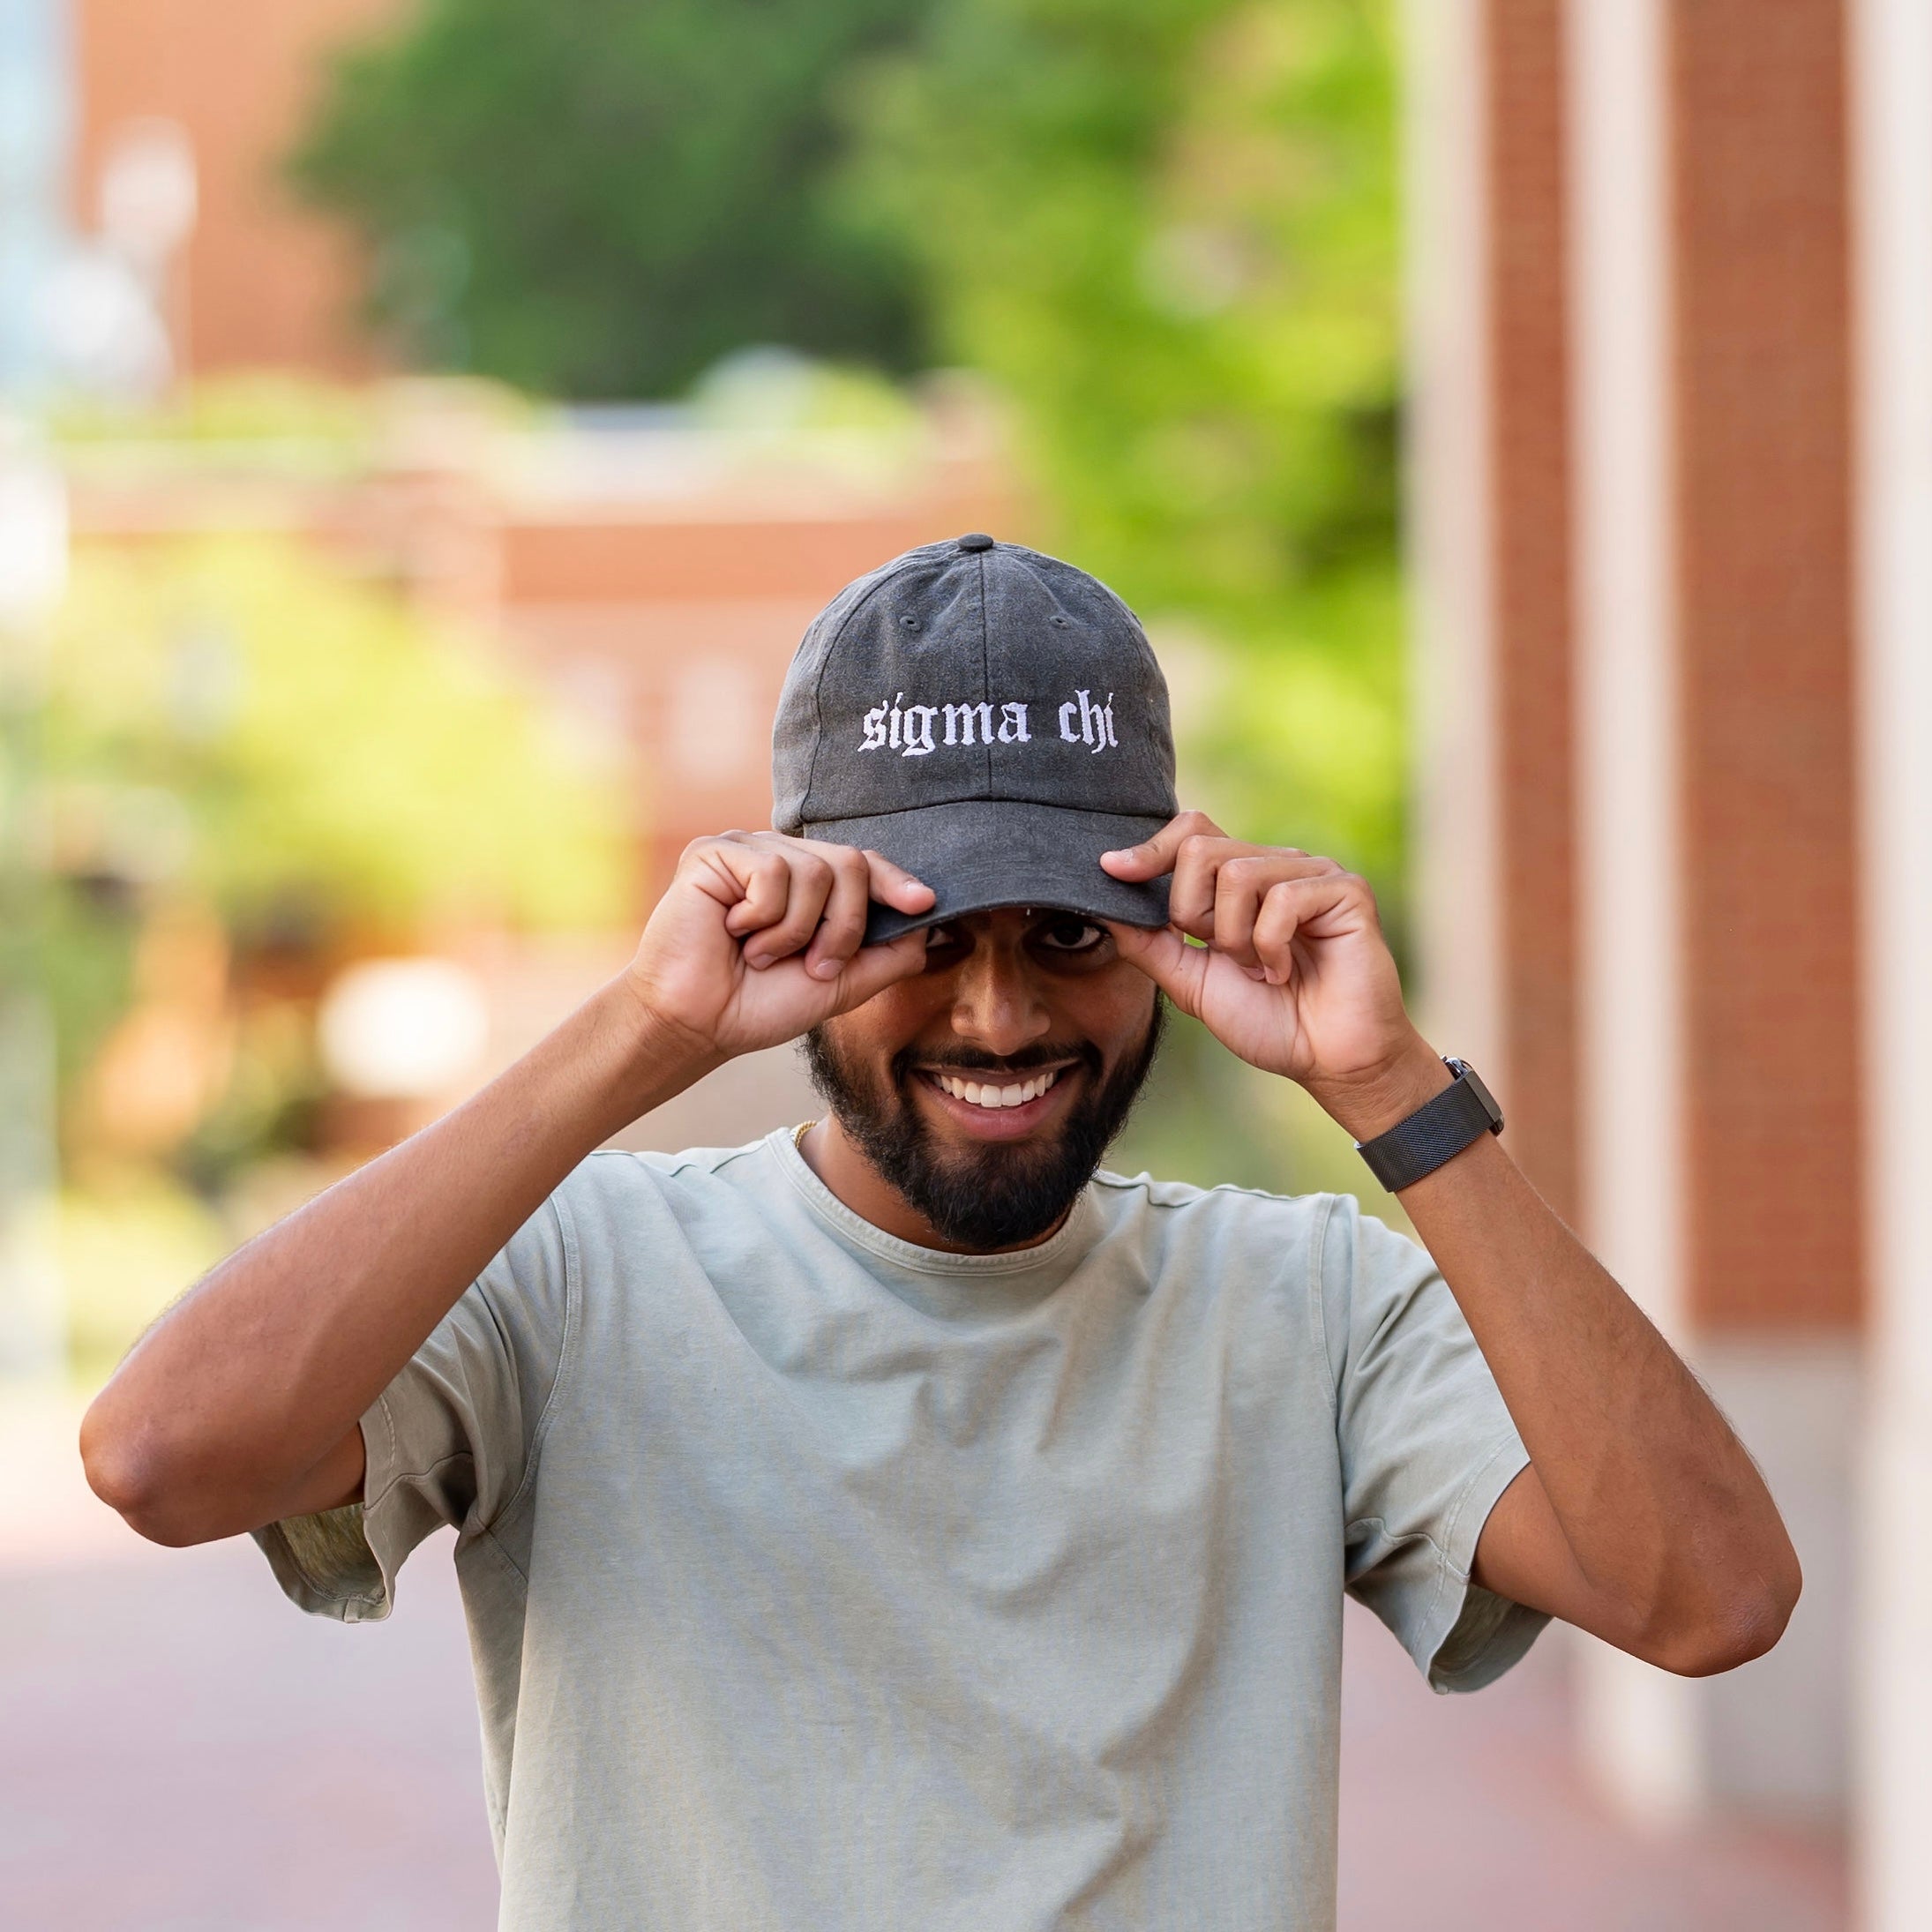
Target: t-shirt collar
<point>930,1278</point>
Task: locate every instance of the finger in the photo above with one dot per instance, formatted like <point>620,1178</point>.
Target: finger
<point>1153,856</point>
<point>763,883</point>
<point>842,925</point>
<point>1167,958</point>
<point>1239,887</point>
<point>809,885</point>
<point>1295,908</point>
<point>1196,878</point>
<point>1277,922</point>
<point>872,969</point>
<point>894,886</point>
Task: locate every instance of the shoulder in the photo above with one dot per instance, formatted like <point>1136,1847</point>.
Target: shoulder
<point>1283,1235</point>
<point>1224,1205</point>
<point>1323,1244</point>
<point>696,1167</point>
<point>615,1191</point>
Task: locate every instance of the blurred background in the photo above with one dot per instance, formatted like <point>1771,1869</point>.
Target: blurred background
<point>426,427</point>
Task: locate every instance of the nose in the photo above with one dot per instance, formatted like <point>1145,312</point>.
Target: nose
<point>996,1007</point>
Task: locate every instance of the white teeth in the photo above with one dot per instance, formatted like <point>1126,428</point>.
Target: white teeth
<point>976,1095</point>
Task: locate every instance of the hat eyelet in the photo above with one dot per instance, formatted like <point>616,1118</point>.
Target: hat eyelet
<point>1057,620</point>
<point>911,622</point>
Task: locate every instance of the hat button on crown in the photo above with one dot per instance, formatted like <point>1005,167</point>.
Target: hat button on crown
<point>975,540</point>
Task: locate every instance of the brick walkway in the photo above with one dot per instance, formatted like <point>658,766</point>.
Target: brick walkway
<point>181,1751</point>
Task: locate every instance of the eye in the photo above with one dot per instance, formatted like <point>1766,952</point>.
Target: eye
<point>1070,933</point>
<point>939,936</point>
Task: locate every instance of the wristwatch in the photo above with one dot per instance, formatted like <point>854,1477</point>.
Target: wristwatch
<point>1442,1127</point>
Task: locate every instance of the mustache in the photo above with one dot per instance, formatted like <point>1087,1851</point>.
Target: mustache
<point>999,1196</point>
<point>963,1059</point>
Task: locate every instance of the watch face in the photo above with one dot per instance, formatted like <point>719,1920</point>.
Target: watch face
<point>1472,1080</point>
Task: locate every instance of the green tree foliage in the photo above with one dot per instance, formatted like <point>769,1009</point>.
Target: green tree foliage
<point>596,198</point>
<point>231,719</point>
<point>318,736</point>
<point>1168,228</point>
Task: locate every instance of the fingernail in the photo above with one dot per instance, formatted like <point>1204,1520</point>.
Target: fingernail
<point>823,969</point>
<point>756,962</point>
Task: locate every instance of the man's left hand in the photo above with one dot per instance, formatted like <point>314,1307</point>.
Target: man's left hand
<point>1292,972</point>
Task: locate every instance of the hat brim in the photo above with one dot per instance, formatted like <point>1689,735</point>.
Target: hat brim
<point>976,854</point>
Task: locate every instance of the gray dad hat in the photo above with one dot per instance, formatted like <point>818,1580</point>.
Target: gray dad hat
<point>988,717</point>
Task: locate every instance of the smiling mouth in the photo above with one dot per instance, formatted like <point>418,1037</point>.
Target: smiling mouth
<point>994,1096</point>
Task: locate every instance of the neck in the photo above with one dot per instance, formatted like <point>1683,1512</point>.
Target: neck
<point>837,1161</point>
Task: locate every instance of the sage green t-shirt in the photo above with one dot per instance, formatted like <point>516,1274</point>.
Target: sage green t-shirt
<point>820,1582</point>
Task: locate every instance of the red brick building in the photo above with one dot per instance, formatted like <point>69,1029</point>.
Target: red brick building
<point>661,575</point>
<point>656,573</point>
<point>262,283</point>
<point>1673,306</point>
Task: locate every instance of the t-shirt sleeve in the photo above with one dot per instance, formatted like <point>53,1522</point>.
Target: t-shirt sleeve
<point>452,1440</point>
<point>1427,1447</point>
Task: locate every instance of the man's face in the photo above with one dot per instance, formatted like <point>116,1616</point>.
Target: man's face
<point>986,1089</point>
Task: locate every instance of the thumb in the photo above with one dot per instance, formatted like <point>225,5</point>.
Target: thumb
<point>1167,958</point>
<point>1136,863</point>
<point>871,969</point>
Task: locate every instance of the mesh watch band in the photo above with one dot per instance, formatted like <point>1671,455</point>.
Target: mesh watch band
<point>1442,1127</point>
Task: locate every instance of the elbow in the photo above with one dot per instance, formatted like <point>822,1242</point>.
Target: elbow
<point>1739,1630</point>
<point>137,1478</point>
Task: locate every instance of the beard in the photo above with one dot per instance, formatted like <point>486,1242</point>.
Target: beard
<point>991,1197</point>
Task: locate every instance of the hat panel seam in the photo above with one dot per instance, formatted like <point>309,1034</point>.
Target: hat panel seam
<point>986,667</point>
<point>886,576</point>
<point>1153,679</point>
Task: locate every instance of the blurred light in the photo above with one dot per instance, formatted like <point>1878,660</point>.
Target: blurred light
<point>102,331</point>
<point>148,191</point>
<point>403,1028</point>
<point>33,538</point>
<point>763,388</point>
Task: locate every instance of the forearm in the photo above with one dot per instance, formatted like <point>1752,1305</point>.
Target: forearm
<point>1641,1517</point>
<point>255,1376</point>
<point>1665,1520</point>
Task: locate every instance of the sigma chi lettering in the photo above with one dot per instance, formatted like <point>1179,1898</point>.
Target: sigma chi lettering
<point>908,729</point>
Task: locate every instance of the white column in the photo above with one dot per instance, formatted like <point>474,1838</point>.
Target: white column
<point>1891,120</point>
<point>1639,1725</point>
<point>1456,844</point>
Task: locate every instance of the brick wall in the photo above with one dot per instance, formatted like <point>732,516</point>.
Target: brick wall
<point>1763,455</point>
<point>264,282</point>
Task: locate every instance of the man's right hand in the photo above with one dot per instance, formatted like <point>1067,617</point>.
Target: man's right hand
<point>761,937</point>
<point>240,1405</point>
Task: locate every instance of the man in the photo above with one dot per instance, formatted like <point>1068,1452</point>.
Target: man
<point>898,1523</point>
